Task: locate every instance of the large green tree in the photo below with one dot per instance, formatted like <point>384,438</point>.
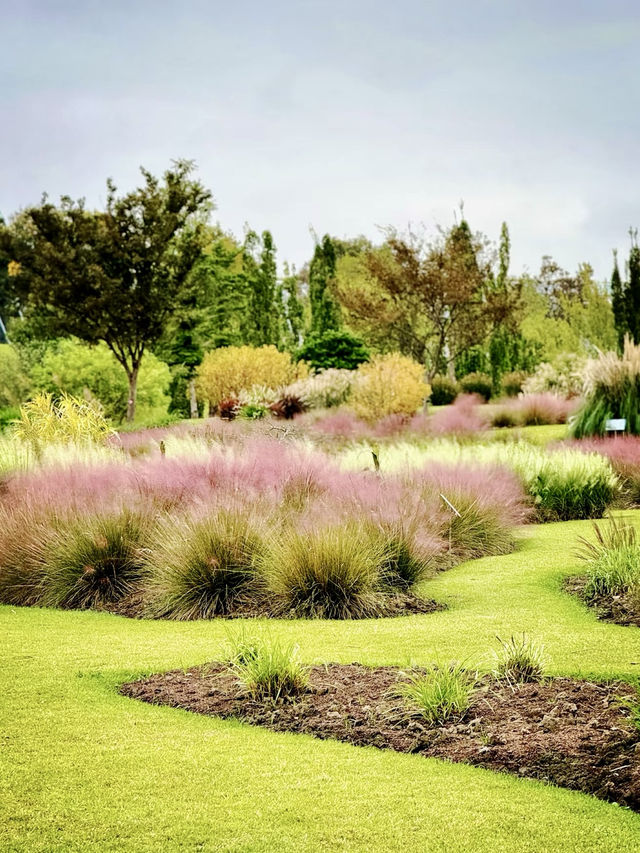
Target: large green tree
<point>115,275</point>
<point>434,296</point>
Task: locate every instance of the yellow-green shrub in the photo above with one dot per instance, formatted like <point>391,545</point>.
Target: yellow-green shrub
<point>389,384</point>
<point>227,371</point>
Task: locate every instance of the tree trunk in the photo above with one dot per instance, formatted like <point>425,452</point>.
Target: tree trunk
<point>193,401</point>
<point>133,388</point>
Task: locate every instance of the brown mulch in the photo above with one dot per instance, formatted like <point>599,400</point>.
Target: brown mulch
<point>396,604</point>
<point>620,609</point>
<point>576,734</point>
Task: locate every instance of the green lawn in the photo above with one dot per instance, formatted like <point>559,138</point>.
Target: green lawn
<point>542,435</point>
<point>84,768</point>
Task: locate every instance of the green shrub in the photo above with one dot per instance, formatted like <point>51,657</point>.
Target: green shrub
<point>14,382</point>
<point>7,416</point>
<point>267,669</point>
<point>511,383</point>
<point>331,573</point>
<point>202,567</point>
<point>477,383</point>
<point>520,660</point>
<point>253,411</point>
<point>443,391</point>
<point>94,560</point>
<point>441,694</point>
<point>93,373</point>
<point>333,349</point>
<point>613,560</point>
<point>503,416</point>
<point>565,487</point>
<point>477,530</point>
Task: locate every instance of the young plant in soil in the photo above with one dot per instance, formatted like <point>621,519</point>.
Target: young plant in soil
<point>441,694</point>
<point>520,660</point>
<point>612,580</point>
<point>267,669</point>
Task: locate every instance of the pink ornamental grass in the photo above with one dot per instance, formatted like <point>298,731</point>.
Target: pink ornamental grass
<point>624,454</point>
<point>544,408</point>
<point>461,418</point>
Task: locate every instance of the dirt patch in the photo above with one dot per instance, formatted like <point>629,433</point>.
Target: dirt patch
<point>576,734</point>
<point>397,604</point>
<point>620,609</point>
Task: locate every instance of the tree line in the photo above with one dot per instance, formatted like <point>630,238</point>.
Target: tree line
<point>151,273</point>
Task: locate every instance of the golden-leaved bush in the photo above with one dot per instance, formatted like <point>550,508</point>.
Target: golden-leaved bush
<point>227,371</point>
<point>389,384</point>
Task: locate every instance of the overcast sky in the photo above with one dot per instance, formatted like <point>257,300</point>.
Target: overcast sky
<point>341,115</point>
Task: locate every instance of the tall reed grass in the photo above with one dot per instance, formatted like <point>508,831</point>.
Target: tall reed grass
<point>612,390</point>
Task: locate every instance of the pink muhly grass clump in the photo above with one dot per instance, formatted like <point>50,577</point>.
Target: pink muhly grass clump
<point>624,454</point>
<point>487,503</point>
<point>420,424</point>
<point>391,426</point>
<point>460,418</point>
<point>69,488</point>
<point>489,486</point>
<point>622,449</point>
<point>544,408</point>
<point>343,425</point>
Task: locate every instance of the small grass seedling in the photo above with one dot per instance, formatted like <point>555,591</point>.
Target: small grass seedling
<point>520,660</point>
<point>443,693</point>
<point>268,669</point>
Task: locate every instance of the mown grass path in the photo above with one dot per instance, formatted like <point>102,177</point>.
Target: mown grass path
<point>83,768</point>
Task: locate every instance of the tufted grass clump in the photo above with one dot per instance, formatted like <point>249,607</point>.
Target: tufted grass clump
<point>476,530</point>
<point>520,660</point>
<point>23,546</point>
<point>267,668</point>
<point>442,694</point>
<point>407,556</point>
<point>332,572</point>
<point>94,560</point>
<point>202,567</point>
<point>613,560</point>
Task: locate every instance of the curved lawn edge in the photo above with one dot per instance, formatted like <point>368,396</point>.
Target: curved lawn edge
<point>82,765</point>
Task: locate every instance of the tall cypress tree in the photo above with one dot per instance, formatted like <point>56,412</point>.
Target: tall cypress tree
<point>262,280</point>
<point>293,309</point>
<point>618,302</point>
<point>322,271</point>
<point>633,288</point>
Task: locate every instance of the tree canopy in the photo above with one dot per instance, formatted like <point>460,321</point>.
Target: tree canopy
<point>113,275</point>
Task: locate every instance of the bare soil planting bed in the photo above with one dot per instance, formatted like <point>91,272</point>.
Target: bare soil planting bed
<point>619,609</point>
<point>396,604</point>
<point>576,734</point>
